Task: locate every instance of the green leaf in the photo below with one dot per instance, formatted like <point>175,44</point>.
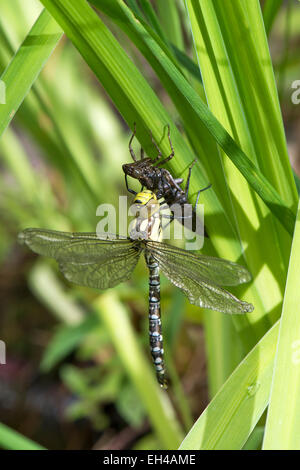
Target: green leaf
<point>255,439</point>
<point>13,440</point>
<point>230,88</point>
<point>297,181</point>
<point>27,63</point>
<point>241,92</point>
<point>187,63</point>
<point>169,17</point>
<point>152,18</point>
<point>231,416</point>
<point>283,422</point>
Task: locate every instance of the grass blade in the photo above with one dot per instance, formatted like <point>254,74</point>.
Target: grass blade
<point>243,101</point>
<point>283,422</point>
<point>13,440</point>
<point>170,21</point>
<point>232,414</point>
<point>25,66</point>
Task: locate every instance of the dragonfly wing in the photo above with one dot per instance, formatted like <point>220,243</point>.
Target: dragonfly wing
<point>217,270</point>
<point>71,246</point>
<point>101,275</point>
<point>85,258</point>
<point>200,292</point>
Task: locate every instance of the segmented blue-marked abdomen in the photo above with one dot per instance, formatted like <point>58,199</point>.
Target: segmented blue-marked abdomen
<point>155,332</point>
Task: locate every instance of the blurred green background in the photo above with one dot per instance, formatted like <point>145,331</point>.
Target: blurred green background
<point>64,384</point>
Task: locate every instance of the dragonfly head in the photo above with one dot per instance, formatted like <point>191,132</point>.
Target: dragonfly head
<point>138,169</point>
<point>142,170</point>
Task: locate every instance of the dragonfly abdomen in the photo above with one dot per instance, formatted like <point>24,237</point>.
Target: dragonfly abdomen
<point>155,331</point>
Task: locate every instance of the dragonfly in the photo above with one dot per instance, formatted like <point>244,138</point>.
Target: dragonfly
<point>159,180</point>
<point>102,261</point>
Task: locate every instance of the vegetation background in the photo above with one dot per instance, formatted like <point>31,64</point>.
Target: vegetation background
<point>78,373</point>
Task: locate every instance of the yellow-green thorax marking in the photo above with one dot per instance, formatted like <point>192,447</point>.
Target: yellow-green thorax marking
<point>147,223</point>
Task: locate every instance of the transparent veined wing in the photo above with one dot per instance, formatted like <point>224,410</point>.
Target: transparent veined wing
<point>85,258</point>
<point>217,270</point>
<point>104,273</point>
<point>68,245</point>
<point>200,290</point>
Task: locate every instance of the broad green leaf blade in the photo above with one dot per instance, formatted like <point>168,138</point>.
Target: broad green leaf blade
<point>243,100</point>
<point>187,63</point>
<point>283,422</point>
<point>152,18</point>
<point>224,348</point>
<point>255,439</point>
<point>232,414</point>
<point>27,63</point>
<point>297,181</point>
<point>170,21</point>
<point>13,440</point>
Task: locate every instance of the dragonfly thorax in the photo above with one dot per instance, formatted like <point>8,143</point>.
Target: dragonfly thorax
<point>147,223</point>
<point>144,197</point>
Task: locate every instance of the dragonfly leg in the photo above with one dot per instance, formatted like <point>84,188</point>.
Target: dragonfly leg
<point>159,155</point>
<point>165,160</point>
<point>186,189</point>
<point>127,187</point>
<point>200,191</point>
<point>172,217</point>
<point>130,142</point>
